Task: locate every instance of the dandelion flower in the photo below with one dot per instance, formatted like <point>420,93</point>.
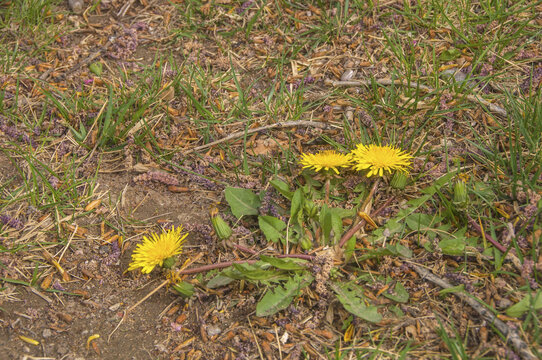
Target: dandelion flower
<point>156,249</point>
<point>378,159</point>
<point>326,160</point>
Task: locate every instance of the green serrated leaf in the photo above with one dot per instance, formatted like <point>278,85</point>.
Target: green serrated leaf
<point>530,301</point>
<point>349,248</point>
<point>271,227</point>
<point>253,272</point>
<point>353,302</point>
<point>452,246</point>
<point>242,201</point>
<point>418,221</point>
<point>400,294</point>
<point>219,281</point>
<point>453,289</point>
<point>403,251</point>
<point>325,222</point>
<point>336,224</point>
<point>450,54</point>
<point>184,289</point>
<point>440,182</point>
<point>285,263</point>
<point>280,297</point>
<point>282,188</point>
<point>297,203</point>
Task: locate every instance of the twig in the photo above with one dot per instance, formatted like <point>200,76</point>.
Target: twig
<point>238,134</point>
<point>43,296</point>
<point>511,335</point>
<point>413,84</point>
<point>125,8</point>
<point>255,339</point>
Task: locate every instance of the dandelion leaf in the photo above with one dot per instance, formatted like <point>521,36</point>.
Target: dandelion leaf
<point>291,264</point>
<point>352,299</point>
<point>280,297</point>
<point>271,227</point>
<point>242,201</point>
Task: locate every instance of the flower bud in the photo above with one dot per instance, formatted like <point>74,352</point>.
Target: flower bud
<point>460,193</point>
<point>222,229</point>
<point>399,180</point>
<point>306,243</point>
<point>169,262</point>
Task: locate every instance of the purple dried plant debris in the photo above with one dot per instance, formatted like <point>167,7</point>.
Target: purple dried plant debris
<point>55,182</point>
<point>366,119</point>
<point>176,327</point>
<point>267,206</point>
<point>242,232</point>
<point>444,99</point>
<point>124,45</point>
<point>157,176</point>
<point>58,286</point>
<point>114,256</point>
<point>527,271</point>
<point>245,6</point>
<point>250,185</point>
<point>486,69</point>
<point>201,181</point>
<point>448,127</point>
<point>461,279</point>
<point>511,355</point>
<point>140,26</point>
<point>204,230</point>
<point>306,81</point>
<point>481,28</point>
<point>11,222</point>
<point>532,80</point>
<point>525,54</point>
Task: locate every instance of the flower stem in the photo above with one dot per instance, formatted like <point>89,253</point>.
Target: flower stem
<point>327,186</point>
<point>354,229</point>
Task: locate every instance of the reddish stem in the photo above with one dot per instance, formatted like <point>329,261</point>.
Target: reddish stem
<point>477,227</point>
<point>347,235</point>
<point>244,249</point>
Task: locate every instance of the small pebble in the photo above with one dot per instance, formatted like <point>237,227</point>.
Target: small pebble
<point>47,333</point>
<point>348,74</point>
<point>76,6</point>
<point>459,76</point>
<point>115,307</point>
<point>213,330</point>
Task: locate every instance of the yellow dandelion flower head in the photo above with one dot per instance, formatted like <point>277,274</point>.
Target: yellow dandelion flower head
<point>155,249</point>
<point>326,160</point>
<point>378,159</point>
